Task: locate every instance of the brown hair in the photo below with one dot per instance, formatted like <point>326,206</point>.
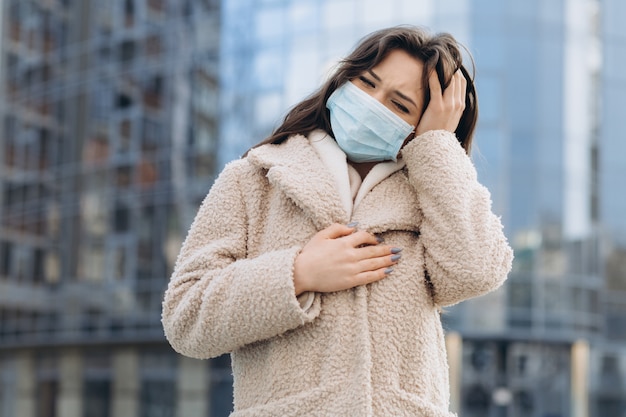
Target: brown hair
<point>440,52</point>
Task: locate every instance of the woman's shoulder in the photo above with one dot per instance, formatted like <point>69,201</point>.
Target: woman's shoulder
<point>238,170</point>
<point>257,161</point>
<point>296,148</point>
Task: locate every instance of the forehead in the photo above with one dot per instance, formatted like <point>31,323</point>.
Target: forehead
<point>399,60</point>
<point>401,69</point>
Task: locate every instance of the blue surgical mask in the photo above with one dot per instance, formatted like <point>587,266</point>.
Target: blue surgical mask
<point>364,128</point>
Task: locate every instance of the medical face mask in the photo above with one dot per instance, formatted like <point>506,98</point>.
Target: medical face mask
<point>364,128</point>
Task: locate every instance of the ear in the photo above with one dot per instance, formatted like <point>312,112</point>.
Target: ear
<point>407,140</point>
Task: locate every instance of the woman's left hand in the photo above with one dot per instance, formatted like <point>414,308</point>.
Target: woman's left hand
<point>445,108</point>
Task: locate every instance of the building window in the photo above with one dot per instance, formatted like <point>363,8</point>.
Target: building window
<point>97,398</point>
<point>157,398</point>
<point>127,51</point>
<point>97,385</point>
<point>158,383</point>
<point>47,393</point>
<point>95,204</point>
<point>47,388</point>
<point>121,217</point>
<point>5,258</point>
<point>221,386</point>
<point>92,261</point>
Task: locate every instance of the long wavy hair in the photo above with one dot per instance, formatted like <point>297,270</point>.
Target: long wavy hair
<point>439,52</point>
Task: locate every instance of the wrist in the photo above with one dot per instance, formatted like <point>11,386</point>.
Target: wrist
<point>298,280</point>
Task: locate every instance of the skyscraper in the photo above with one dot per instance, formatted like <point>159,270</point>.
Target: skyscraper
<point>108,136</point>
<point>610,172</point>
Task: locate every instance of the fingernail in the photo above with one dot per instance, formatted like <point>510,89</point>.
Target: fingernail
<point>352,225</point>
<point>388,271</point>
<point>379,239</point>
<point>396,250</point>
<point>395,258</point>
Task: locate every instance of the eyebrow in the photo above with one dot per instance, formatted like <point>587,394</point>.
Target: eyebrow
<point>398,93</point>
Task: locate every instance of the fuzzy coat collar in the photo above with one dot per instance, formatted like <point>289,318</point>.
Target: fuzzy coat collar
<point>351,189</point>
<point>297,170</point>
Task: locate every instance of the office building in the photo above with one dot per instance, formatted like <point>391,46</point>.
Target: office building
<point>108,136</point>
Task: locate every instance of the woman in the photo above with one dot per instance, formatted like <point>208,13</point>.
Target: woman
<point>321,259</point>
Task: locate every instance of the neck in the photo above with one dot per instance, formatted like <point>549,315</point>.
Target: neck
<point>363,168</point>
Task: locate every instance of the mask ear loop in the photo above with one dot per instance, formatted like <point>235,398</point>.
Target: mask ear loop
<point>408,139</point>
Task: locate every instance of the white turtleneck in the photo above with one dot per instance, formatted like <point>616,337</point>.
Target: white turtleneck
<point>349,184</point>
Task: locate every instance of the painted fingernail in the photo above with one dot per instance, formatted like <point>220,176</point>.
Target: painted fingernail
<point>352,225</point>
<point>379,239</point>
<point>388,271</point>
<point>395,258</point>
<point>396,250</point>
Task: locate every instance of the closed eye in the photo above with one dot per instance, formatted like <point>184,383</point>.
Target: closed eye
<point>367,81</point>
<point>401,107</point>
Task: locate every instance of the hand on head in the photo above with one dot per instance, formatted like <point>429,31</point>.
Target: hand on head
<point>446,107</point>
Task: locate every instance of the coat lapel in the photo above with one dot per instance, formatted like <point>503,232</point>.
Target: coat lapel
<point>295,168</point>
<point>390,205</point>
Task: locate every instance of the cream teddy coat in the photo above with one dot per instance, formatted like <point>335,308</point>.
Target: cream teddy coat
<point>374,350</point>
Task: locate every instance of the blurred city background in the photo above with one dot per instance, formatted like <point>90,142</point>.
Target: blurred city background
<point>116,116</point>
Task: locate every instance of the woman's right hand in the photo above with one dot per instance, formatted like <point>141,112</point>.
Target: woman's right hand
<point>338,258</point>
<point>446,107</point>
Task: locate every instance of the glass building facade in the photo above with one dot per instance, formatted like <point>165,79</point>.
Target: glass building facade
<point>108,138</point>
<point>610,369</point>
<point>548,147</point>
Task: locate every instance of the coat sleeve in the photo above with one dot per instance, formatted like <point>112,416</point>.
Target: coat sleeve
<point>466,252</point>
<point>217,299</point>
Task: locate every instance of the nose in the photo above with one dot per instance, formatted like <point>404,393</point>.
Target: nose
<point>379,95</point>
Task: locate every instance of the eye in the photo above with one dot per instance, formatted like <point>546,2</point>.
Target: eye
<point>366,81</point>
<point>401,107</point>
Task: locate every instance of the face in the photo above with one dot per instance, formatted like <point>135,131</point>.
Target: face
<point>396,83</point>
